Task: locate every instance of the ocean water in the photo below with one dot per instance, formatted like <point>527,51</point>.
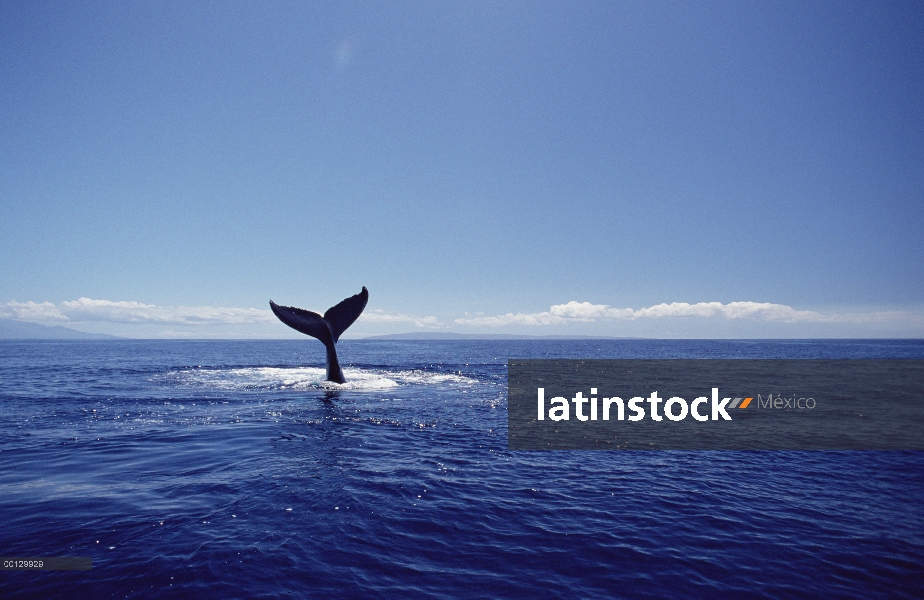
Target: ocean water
<point>232,470</point>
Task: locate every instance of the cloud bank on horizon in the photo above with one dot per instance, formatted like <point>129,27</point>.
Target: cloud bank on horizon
<point>131,312</point>
<point>586,312</point>
<point>211,321</point>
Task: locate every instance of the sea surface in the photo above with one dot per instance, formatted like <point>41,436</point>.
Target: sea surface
<point>231,469</point>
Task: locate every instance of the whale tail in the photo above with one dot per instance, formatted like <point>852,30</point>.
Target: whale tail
<point>327,328</point>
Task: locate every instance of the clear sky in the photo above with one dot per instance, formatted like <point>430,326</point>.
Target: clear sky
<point>166,166</point>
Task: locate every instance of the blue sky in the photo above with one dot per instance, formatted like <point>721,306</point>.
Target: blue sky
<point>755,168</point>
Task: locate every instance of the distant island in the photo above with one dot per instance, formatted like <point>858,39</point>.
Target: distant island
<point>23,330</point>
<point>448,335</point>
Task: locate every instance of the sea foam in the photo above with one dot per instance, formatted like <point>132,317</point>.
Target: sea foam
<point>308,378</point>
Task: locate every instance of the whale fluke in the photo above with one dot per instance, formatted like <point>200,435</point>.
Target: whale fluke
<point>327,328</point>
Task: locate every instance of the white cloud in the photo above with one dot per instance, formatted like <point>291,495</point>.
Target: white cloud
<point>378,316</point>
<point>87,309</point>
<point>733,310</point>
<point>31,311</point>
<point>135,318</point>
<point>764,311</point>
<point>108,311</point>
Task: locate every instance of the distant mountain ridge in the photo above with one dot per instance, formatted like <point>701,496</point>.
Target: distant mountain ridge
<point>24,330</point>
<point>448,335</point>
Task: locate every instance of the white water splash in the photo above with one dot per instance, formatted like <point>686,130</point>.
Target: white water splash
<point>301,378</point>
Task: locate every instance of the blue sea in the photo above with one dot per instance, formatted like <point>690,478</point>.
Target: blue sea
<point>231,469</point>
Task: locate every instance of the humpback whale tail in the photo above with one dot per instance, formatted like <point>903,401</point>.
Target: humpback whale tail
<point>326,328</point>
